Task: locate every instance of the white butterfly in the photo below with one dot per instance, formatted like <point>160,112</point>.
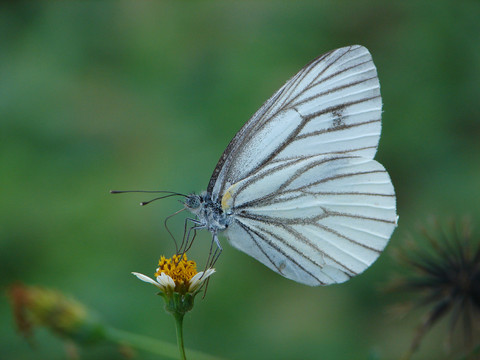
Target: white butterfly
<point>297,188</point>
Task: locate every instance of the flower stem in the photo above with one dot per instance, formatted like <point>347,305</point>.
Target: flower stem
<point>179,327</point>
<point>145,343</point>
<point>154,346</point>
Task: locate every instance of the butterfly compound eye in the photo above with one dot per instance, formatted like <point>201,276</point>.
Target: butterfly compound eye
<point>192,201</point>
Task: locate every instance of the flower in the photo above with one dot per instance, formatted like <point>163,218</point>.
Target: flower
<point>177,275</point>
<point>178,281</point>
<point>445,275</point>
<point>164,282</point>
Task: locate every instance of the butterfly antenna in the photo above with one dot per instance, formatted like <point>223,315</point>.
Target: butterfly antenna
<point>143,203</point>
<point>145,191</point>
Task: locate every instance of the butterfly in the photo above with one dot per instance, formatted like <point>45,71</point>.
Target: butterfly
<point>297,187</point>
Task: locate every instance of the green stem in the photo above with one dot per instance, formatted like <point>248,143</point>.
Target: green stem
<point>142,343</point>
<point>151,345</point>
<point>179,327</point>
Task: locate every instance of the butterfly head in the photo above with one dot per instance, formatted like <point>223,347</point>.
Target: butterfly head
<point>193,202</point>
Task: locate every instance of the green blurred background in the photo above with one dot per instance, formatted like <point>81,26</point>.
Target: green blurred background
<point>146,95</point>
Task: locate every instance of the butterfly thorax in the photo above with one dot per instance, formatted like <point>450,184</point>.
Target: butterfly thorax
<point>210,214</point>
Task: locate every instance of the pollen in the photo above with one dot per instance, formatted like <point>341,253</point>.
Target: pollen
<point>179,268</point>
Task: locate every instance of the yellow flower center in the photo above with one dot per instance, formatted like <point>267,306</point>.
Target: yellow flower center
<point>179,269</point>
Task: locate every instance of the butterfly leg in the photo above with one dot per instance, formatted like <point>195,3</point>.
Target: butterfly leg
<point>188,238</point>
<point>213,255</point>
<point>212,258</point>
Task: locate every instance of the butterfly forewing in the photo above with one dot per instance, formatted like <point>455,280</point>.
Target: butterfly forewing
<point>299,182</point>
<point>332,105</point>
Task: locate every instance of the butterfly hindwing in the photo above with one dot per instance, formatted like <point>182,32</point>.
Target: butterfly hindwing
<point>322,220</point>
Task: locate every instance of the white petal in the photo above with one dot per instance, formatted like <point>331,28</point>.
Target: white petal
<point>198,279</point>
<point>166,281</point>
<point>146,279</point>
<point>209,272</point>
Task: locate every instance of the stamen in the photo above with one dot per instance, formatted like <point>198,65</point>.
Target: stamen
<point>179,268</point>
